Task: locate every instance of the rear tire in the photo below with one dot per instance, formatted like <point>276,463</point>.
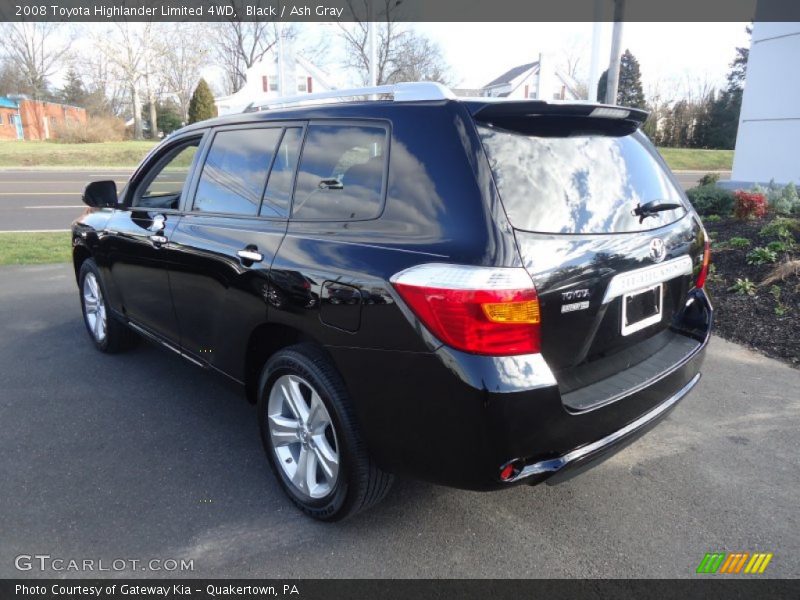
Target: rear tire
<point>107,333</point>
<point>312,439</point>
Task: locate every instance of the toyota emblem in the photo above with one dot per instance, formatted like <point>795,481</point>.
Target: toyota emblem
<point>657,250</point>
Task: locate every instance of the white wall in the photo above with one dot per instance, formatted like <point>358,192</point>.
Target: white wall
<point>768,142</point>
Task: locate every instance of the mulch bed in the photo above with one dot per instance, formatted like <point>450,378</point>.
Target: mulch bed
<point>752,320</point>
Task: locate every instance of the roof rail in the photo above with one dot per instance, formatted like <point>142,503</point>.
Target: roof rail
<point>400,92</point>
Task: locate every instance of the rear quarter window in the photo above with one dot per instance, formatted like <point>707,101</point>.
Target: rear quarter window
<point>581,184</point>
<point>341,173</point>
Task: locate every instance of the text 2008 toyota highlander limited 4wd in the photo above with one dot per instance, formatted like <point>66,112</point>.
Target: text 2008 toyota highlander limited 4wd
<point>475,293</point>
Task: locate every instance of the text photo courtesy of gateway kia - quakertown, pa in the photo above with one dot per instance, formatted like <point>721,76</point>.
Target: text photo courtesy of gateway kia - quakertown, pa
<point>350,298</point>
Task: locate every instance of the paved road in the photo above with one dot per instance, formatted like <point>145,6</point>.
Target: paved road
<point>142,455</point>
<point>47,199</point>
<point>51,199</point>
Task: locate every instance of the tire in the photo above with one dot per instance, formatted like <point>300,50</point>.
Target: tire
<point>326,432</point>
<point>106,332</point>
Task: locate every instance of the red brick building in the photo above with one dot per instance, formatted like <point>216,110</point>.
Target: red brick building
<point>38,120</point>
<point>10,124</point>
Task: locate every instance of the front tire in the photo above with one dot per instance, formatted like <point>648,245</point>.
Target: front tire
<point>311,437</point>
<point>107,334</point>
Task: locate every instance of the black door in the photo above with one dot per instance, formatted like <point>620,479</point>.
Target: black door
<point>231,229</point>
<point>136,241</point>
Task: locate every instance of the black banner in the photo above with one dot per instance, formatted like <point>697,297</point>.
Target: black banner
<point>401,10</point>
<point>316,589</point>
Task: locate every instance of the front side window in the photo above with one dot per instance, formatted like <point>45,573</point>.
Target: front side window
<point>235,171</point>
<point>162,187</point>
<point>341,173</point>
<point>580,184</point>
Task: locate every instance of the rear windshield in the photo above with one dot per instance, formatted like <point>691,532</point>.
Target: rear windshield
<point>580,184</point>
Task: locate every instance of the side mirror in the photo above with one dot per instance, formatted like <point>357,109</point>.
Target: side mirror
<point>100,194</point>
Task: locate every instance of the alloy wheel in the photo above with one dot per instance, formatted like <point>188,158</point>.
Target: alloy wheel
<point>94,307</point>
<point>302,436</point>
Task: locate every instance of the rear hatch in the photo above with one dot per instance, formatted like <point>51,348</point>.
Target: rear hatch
<point>612,285</point>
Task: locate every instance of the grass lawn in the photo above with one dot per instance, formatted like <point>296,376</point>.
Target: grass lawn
<point>693,159</point>
<point>35,248</point>
<point>51,154</point>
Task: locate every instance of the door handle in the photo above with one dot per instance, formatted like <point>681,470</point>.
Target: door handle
<point>158,239</point>
<point>250,255</point>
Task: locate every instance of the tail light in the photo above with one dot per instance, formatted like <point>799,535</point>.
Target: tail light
<point>701,277</point>
<point>482,310</point>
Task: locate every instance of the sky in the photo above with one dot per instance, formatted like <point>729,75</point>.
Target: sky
<point>668,53</point>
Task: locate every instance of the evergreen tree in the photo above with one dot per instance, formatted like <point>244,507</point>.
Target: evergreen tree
<point>629,91</point>
<point>724,113</point>
<point>201,106</point>
<point>73,92</point>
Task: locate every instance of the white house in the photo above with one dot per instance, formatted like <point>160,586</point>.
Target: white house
<point>263,82</point>
<point>769,123</point>
<point>539,80</point>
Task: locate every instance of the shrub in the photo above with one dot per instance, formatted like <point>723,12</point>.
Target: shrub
<point>743,286</point>
<point>708,179</point>
<point>749,205</point>
<point>761,256</point>
<point>778,246</point>
<point>739,242</point>
<point>711,200</point>
<point>789,194</point>
<point>781,228</point>
<point>95,129</point>
<point>712,218</point>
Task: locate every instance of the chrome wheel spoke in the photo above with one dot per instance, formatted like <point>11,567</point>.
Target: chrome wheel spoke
<point>327,457</point>
<point>300,477</point>
<point>283,430</point>
<point>295,400</point>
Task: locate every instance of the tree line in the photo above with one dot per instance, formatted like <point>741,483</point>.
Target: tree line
<point>707,118</point>
<point>151,71</point>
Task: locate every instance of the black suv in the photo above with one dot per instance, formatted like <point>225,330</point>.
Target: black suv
<point>477,293</point>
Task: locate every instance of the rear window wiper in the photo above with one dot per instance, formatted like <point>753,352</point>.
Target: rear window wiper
<point>649,209</point>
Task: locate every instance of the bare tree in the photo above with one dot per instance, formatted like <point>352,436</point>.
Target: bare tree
<point>402,54</point>
<point>35,49</point>
<point>128,48</point>
<point>239,45</point>
<point>184,54</point>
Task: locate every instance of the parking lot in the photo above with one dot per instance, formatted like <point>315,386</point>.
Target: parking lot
<point>141,456</point>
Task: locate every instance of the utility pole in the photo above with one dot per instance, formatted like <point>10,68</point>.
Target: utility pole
<point>594,65</point>
<point>616,51</point>
<point>281,61</point>
<point>373,53</point>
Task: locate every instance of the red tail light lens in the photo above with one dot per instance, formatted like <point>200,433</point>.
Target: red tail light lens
<point>701,278</point>
<point>482,310</point>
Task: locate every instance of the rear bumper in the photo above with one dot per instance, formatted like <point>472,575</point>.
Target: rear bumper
<point>589,455</point>
<point>459,419</point>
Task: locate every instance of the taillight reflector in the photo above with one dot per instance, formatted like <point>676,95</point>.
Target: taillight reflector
<point>703,275</point>
<point>482,310</point>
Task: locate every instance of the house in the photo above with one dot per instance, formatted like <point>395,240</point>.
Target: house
<point>22,118</point>
<point>263,82</point>
<point>10,123</point>
<point>539,80</point>
<point>769,121</point>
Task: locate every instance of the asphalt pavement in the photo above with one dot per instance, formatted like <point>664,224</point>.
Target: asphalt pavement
<point>142,455</point>
<point>50,199</point>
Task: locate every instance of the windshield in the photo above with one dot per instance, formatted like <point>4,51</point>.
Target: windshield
<point>580,184</point>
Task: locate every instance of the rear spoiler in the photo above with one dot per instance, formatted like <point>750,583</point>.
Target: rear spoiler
<point>537,117</point>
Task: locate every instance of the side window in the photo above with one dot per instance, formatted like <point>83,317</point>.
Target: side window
<point>279,187</point>
<point>341,173</point>
<point>235,171</point>
<point>162,187</point>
